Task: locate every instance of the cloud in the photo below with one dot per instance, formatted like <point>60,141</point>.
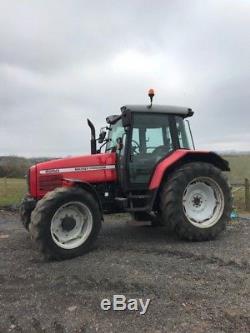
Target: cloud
<point>61,62</point>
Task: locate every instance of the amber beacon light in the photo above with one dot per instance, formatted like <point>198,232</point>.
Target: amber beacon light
<point>151,94</point>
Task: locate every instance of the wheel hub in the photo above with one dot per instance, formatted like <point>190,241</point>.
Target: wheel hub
<point>203,202</point>
<point>68,223</point>
<point>71,225</point>
<point>197,200</point>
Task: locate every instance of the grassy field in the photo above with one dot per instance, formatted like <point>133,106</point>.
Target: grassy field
<point>12,190</point>
<point>240,167</point>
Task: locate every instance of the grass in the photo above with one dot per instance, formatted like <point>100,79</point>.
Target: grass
<point>12,191</point>
<point>240,167</point>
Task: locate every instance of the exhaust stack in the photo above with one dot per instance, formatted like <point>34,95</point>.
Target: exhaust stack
<point>93,139</point>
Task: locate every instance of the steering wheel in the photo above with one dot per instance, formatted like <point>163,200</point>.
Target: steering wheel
<point>161,150</point>
<point>137,146</point>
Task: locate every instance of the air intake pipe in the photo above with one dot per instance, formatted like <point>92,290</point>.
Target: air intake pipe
<point>93,139</point>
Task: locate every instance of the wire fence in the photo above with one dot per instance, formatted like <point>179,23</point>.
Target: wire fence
<point>244,188</point>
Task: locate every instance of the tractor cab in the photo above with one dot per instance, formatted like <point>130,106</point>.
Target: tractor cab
<point>144,135</point>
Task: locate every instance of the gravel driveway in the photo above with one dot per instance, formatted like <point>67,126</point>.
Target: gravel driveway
<point>193,287</point>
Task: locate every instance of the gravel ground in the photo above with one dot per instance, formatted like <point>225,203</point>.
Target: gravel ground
<point>193,287</point>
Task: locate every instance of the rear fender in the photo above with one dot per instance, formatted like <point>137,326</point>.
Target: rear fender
<point>180,157</point>
<point>86,186</point>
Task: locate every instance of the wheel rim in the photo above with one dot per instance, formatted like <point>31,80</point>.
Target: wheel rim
<point>203,202</point>
<point>71,225</point>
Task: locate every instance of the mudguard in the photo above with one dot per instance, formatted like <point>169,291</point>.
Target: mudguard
<point>86,186</point>
<point>181,156</point>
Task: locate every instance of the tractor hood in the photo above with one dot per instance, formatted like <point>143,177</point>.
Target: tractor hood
<point>66,165</point>
<point>97,168</point>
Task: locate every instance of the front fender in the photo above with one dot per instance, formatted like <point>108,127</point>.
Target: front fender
<point>87,186</point>
<point>181,156</point>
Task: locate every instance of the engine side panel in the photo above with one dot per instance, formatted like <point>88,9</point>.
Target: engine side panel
<point>93,169</point>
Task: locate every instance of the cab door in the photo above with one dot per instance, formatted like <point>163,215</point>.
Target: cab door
<point>151,140</point>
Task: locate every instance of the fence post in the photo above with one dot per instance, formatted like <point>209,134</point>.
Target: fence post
<point>247,194</point>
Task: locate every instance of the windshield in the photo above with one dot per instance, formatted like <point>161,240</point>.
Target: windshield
<point>116,131</point>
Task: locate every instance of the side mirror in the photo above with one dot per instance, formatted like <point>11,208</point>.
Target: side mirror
<point>102,136</point>
<point>119,144</point>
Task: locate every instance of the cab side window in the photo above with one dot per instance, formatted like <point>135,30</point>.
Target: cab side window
<point>154,139</point>
<point>151,141</point>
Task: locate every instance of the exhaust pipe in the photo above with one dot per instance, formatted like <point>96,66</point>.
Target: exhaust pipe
<point>93,139</point>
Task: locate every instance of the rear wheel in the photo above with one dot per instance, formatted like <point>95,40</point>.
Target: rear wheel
<point>196,201</point>
<point>65,223</point>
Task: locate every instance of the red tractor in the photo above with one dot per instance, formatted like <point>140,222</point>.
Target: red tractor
<point>149,168</point>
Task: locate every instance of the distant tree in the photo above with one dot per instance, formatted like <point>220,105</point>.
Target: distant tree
<point>17,167</point>
<point>13,167</point>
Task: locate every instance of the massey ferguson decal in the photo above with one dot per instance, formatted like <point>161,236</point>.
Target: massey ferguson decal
<point>78,169</point>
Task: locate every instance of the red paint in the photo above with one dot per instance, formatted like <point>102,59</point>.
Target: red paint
<point>91,176</point>
<point>165,164</point>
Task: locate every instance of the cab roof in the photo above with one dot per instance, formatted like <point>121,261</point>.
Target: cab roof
<point>169,109</point>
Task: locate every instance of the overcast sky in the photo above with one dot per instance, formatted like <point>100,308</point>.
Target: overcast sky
<point>63,61</point>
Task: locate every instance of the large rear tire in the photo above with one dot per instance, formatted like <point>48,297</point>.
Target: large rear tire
<point>196,201</point>
<point>65,223</point>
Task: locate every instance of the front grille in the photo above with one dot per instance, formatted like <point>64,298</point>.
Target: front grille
<point>49,182</point>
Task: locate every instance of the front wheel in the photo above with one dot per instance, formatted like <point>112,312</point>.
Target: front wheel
<point>196,201</point>
<point>65,223</point>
